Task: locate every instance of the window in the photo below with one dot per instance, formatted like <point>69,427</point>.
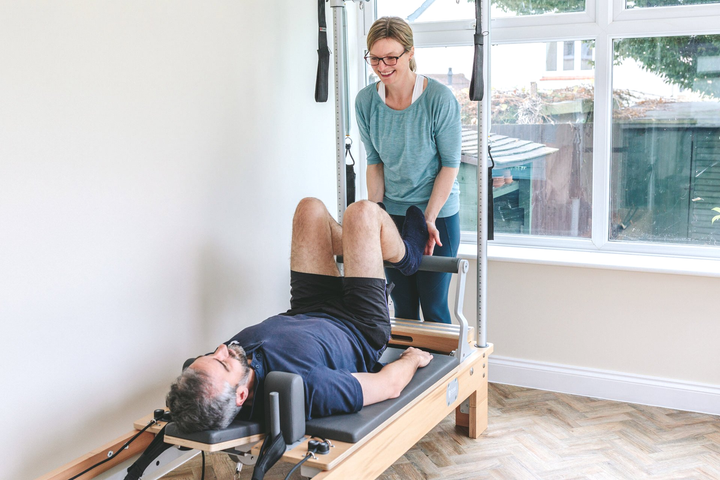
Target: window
<point>541,140</point>
<point>604,114</point>
<point>666,139</point>
<point>665,3</point>
<point>576,55</point>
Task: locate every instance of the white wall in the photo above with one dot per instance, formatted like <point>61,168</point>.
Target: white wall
<point>151,154</point>
<point>641,324</point>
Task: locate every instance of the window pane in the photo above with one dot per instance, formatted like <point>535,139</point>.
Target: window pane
<point>541,142</point>
<point>452,66</point>
<point>666,139</point>
<point>518,8</point>
<point>418,11</point>
<point>665,3</point>
<point>446,10</point>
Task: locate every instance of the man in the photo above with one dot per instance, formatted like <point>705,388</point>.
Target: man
<point>333,334</point>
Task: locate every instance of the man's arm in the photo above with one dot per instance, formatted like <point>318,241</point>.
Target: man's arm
<point>392,379</point>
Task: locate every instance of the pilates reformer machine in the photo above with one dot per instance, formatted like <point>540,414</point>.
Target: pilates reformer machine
<point>359,445</point>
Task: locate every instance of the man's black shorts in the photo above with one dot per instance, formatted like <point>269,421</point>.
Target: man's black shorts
<point>358,300</point>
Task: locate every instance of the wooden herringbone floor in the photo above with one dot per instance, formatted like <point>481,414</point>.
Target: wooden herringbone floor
<point>534,434</point>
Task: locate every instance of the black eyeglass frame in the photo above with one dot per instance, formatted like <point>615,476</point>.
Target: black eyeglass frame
<point>368,60</point>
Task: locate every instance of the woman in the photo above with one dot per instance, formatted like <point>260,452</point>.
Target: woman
<point>410,126</point>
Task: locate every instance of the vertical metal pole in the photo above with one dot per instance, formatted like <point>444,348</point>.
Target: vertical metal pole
<point>274,414</point>
<point>338,7</point>
<point>482,180</point>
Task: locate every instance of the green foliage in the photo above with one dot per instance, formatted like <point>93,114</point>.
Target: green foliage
<point>539,7</point>
<point>665,3</point>
<point>716,217</point>
<point>674,59</point>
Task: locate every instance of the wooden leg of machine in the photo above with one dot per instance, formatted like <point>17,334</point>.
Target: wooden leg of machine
<point>476,420</point>
<point>461,419</point>
<point>478,416</point>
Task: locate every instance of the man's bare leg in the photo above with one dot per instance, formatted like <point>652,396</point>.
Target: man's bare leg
<point>316,238</point>
<point>369,237</point>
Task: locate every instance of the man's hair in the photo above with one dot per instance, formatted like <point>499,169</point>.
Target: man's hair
<point>193,405</point>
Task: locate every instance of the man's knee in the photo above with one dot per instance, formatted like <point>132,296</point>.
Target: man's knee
<point>310,208</point>
<point>362,212</point>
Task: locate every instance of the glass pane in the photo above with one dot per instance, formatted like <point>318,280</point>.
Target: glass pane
<point>419,11</point>
<point>452,66</point>
<point>666,140</point>
<point>519,8</point>
<point>541,141</point>
<point>446,10</point>
<point>629,4</point>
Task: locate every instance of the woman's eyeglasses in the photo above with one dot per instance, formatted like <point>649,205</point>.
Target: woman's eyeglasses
<point>389,61</point>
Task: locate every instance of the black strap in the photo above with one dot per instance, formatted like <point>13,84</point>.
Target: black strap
<point>321,79</point>
<point>349,175</point>
<point>156,447</point>
<point>476,82</point>
<point>490,200</point>
<point>271,451</point>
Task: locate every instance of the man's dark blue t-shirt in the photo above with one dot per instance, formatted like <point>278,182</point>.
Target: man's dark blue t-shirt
<point>323,350</point>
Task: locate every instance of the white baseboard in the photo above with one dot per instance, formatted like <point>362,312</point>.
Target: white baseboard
<point>622,387</point>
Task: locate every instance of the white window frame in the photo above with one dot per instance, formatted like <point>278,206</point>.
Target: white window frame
<point>603,21</point>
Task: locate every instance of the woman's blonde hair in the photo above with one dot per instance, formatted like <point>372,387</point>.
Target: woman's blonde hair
<point>395,28</point>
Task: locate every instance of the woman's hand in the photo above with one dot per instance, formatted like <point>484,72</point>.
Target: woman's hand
<point>433,238</point>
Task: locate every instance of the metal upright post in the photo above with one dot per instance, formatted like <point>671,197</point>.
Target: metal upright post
<point>482,180</point>
<point>338,7</point>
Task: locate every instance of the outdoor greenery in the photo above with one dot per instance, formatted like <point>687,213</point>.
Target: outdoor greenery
<point>539,7</point>
<point>675,59</point>
<point>525,107</point>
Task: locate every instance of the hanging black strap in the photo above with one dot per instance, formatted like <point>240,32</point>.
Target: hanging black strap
<point>349,173</point>
<point>490,200</point>
<point>476,82</point>
<point>321,80</point>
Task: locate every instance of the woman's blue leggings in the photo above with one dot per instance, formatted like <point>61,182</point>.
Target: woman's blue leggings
<point>426,289</point>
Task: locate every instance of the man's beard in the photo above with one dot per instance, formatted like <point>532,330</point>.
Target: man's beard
<point>238,353</point>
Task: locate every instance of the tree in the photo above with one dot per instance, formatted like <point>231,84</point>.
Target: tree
<point>539,7</point>
<point>675,59</point>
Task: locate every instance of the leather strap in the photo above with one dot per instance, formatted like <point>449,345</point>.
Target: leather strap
<point>477,86</point>
<point>321,79</point>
